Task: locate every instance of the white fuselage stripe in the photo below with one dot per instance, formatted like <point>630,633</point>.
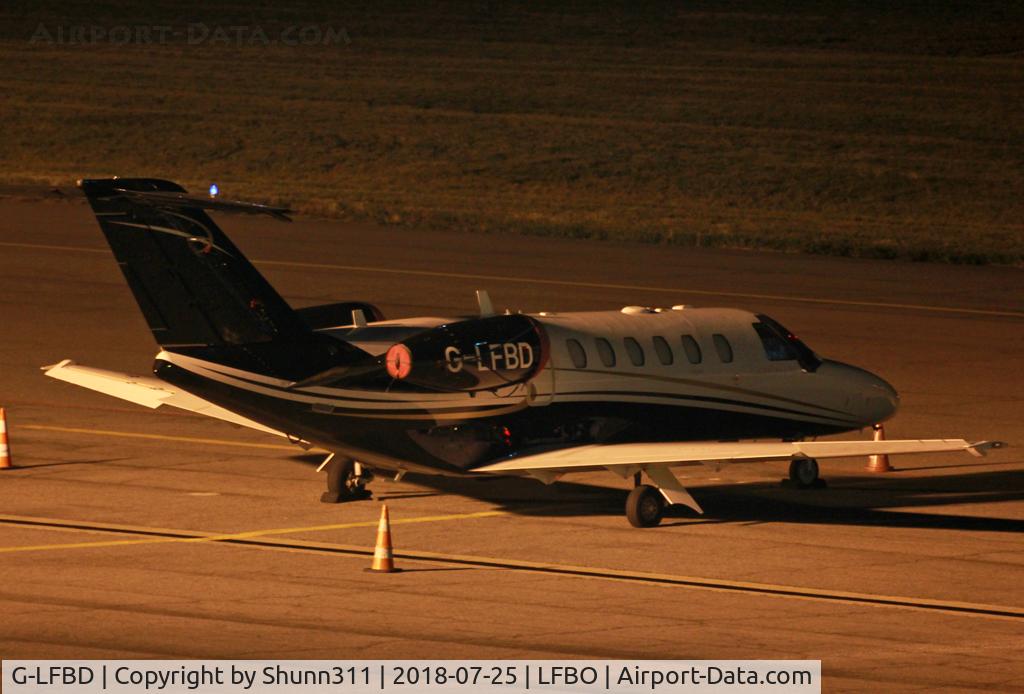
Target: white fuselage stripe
<point>460,405</point>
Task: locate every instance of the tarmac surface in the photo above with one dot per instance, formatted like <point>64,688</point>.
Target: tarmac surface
<point>126,532</point>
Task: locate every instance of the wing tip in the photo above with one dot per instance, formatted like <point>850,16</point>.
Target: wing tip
<point>55,367</point>
<point>981,448</point>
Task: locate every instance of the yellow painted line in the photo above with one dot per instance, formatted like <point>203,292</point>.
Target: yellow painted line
<point>588,285</point>
<point>554,570</point>
<point>203,537</point>
<point>48,247</point>
<point>778,589</point>
<point>65,525</point>
<point>93,545</point>
<point>661,580</point>
<point>160,437</point>
<point>363,524</point>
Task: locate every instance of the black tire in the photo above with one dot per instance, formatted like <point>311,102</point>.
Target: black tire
<point>645,506</point>
<point>340,486</point>
<point>804,472</point>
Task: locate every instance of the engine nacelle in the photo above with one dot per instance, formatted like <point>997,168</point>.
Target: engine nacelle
<point>339,314</point>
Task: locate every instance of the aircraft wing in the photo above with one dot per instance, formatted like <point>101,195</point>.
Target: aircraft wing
<point>146,391</point>
<point>632,457</point>
<point>655,459</point>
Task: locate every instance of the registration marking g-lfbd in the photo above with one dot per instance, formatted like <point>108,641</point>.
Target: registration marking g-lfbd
<point>487,356</point>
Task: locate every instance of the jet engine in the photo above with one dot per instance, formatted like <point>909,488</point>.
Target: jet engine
<point>464,356</point>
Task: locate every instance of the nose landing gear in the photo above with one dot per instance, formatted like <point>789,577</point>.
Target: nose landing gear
<point>346,481</point>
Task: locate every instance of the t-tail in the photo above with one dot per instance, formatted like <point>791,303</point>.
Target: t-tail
<point>198,292</point>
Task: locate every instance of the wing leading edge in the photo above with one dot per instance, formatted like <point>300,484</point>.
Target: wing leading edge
<point>633,455</point>
<point>656,459</point>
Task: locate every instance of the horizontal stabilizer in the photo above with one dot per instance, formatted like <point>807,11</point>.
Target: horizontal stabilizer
<point>638,454</point>
<point>146,391</point>
<point>169,200</point>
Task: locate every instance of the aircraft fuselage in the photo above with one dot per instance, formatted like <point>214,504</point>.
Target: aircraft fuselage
<point>634,375</point>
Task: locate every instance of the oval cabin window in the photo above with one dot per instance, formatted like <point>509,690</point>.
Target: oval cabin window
<point>605,351</point>
<point>635,351</point>
<point>576,353</point>
<point>692,349</point>
<point>662,349</point>
<point>723,348</point>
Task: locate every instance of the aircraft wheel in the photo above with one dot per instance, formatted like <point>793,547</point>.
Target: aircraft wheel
<point>804,472</point>
<point>343,484</point>
<point>645,506</point>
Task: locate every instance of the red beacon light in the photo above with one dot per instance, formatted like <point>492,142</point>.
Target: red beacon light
<point>398,361</point>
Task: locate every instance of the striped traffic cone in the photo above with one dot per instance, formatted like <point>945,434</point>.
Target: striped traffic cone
<point>5,449</point>
<point>879,463</point>
<point>383,556</point>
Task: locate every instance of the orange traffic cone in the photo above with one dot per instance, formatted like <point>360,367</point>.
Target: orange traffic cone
<point>383,557</point>
<point>879,463</point>
<point>5,450</point>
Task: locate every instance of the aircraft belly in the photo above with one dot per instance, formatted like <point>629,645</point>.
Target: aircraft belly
<point>362,437</point>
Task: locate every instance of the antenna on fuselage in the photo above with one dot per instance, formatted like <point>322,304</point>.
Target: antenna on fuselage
<point>484,300</point>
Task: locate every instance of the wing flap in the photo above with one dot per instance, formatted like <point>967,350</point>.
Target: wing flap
<point>680,453</point>
<point>146,391</point>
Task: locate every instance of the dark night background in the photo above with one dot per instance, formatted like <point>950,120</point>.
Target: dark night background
<point>841,128</point>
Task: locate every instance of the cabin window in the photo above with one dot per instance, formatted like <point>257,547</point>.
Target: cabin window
<point>605,351</point>
<point>692,349</point>
<point>576,353</point>
<point>635,351</point>
<point>776,347</point>
<point>723,347</point>
<point>662,349</point>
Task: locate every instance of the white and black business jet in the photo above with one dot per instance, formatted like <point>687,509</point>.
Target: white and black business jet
<point>635,391</point>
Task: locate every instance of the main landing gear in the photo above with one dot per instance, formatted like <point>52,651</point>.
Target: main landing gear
<point>645,506</point>
<point>803,473</point>
<point>646,503</point>
<point>346,481</point>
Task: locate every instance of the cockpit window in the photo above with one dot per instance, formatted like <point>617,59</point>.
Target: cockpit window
<point>576,353</point>
<point>808,360</point>
<point>605,351</point>
<point>776,348</point>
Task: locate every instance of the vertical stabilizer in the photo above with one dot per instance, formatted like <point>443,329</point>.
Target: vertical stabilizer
<point>192,283</point>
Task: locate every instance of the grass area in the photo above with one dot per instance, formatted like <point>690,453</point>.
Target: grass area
<point>836,128</point>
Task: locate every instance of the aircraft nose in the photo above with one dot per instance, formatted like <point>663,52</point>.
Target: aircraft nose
<point>870,398</point>
<point>881,398</point>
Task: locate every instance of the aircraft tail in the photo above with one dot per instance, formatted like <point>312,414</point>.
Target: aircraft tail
<point>197,291</point>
